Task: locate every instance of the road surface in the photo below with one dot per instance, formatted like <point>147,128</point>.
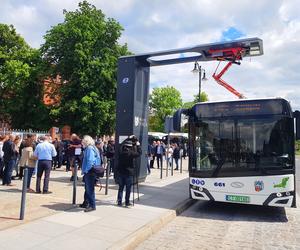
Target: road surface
<point>209,225</point>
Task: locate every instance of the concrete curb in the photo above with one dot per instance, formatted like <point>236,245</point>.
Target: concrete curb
<point>140,235</point>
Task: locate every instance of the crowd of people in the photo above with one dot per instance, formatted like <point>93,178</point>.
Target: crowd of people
<point>70,153</point>
<point>172,152</point>
<point>43,154</point>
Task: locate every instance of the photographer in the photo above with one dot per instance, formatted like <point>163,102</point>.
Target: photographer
<point>130,149</point>
<point>110,154</point>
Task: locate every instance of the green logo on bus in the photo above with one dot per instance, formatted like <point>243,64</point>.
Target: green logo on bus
<point>282,184</point>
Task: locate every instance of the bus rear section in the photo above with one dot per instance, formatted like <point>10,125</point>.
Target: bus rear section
<point>243,152</point>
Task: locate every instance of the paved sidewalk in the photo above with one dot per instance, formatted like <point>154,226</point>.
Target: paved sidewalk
<point>109,227</point>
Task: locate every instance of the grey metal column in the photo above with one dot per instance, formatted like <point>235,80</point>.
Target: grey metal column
<point>132,106</point>
<point>172,166</point>
<point>107,176</point>
<point>167,155</point>
<point>75,184</point>
<point>200,73</point>
<point>181,163</point>
<point>24,190</point>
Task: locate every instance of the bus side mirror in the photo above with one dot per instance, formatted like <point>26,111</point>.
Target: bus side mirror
<point>177,119</point>
<point>297,116</point>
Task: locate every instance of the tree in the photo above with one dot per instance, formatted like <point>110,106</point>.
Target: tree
<point>84,50</point>
<point>21,88</point>
<point>203,97</point>
<point>163,101</point>
<point>297,146</point>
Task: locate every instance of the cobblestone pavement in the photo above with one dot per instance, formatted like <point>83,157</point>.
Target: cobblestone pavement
<point>208,225</point>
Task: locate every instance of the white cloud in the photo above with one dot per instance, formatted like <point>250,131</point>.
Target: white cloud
<point>153,25</point>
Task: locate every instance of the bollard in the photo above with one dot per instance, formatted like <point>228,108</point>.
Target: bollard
<point>180,163</point>
<point>172,166</point>
<point>74,184</point>
<point>161,171</point>
<point>24,190</point>
<point>167,166</point>
<point>107,176</point>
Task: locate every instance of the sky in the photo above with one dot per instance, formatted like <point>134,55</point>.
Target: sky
<point>155,25</point>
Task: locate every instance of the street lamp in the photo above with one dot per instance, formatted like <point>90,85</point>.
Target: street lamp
<point>202,76</point>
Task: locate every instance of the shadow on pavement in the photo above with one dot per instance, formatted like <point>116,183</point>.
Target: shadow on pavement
<point>162,197</point>
<point>58,206</point>
<point>66,180</point>
<point>11,190</point>
<point>236,212</point>
<point>8,218</point>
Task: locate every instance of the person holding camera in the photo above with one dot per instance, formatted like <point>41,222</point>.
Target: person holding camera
<point>130,149</point>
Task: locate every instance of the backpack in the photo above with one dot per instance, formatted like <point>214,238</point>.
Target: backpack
<point>98,167</point>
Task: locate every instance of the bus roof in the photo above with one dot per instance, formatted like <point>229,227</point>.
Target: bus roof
<point>248,107</point>
<point>160,135</point>
<point>242,100</point>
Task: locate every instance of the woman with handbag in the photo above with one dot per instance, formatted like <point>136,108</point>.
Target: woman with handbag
<point>28,160</point>
<point>91,160</point>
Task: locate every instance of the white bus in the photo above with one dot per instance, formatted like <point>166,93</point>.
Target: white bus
<point>242,151</point>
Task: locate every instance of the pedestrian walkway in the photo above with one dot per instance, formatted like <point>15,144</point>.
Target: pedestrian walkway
<point>109,227</point>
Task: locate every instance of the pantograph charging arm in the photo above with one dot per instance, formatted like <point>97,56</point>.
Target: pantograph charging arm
<point>220,81</point>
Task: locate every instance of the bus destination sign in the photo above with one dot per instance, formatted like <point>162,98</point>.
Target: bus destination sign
<point>239,108</point>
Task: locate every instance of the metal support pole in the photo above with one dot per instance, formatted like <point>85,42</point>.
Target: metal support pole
<point>137,174</point>
<point>24,190</point>
<point>181,163</point>
<point>74,184</point>
<point>161,169</point>
<point>107,176</point>
<point>167,165</point>
<point>137,187</point>
<point>167,154</point>
<point>132,191</point>
<point>200,73</point>
<point>172,166</point>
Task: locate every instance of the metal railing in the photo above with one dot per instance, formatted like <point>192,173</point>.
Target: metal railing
<point>22,132</point>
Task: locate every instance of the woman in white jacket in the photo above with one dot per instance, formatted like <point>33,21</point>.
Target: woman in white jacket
<point>28,160</point>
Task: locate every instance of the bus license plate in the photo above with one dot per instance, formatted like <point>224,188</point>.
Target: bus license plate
<point>238,198</point>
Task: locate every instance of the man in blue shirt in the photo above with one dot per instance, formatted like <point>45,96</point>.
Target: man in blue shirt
<point>44,152</point>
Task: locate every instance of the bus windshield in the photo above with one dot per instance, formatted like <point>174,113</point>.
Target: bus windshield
<point>242,147</point>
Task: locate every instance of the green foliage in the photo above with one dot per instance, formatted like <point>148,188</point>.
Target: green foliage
<point>188,105</point>
<point>297,145</point>
<point>20,88</point>
<point>163,102</point>
<point>84,50</point>
<point>204,98</point>
<point>155,124</point>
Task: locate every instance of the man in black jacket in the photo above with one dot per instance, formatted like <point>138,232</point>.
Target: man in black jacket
<point>9,157</point>
<point>110,154</point>
<point>129,150</point>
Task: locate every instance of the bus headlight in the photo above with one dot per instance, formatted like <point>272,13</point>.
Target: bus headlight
<point>287,193</point>
<point>278,194</point>
<point>200,189</point>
